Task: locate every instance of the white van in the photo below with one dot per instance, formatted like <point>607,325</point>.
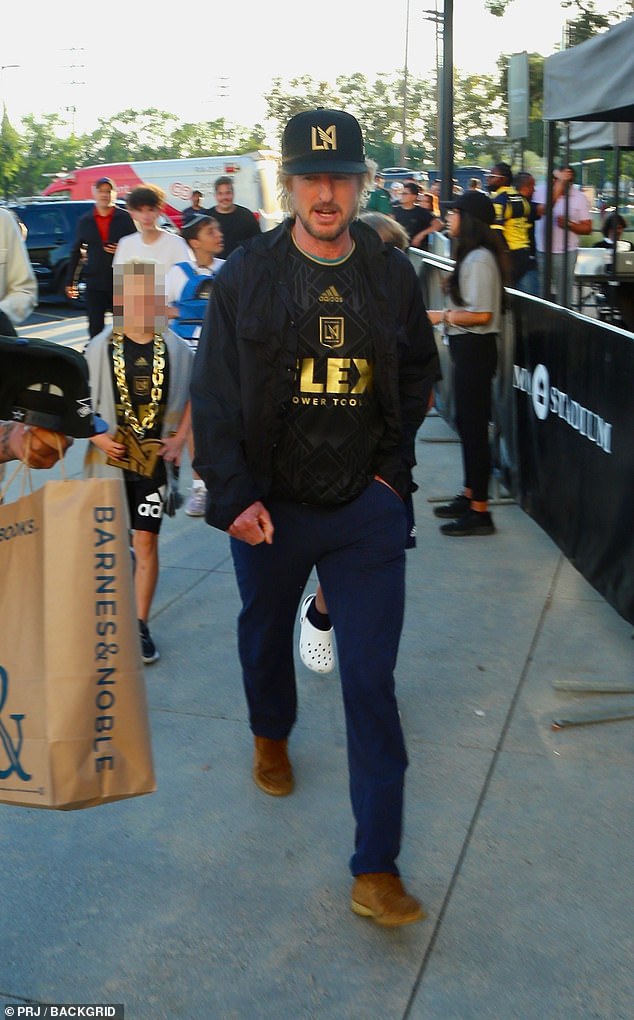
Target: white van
<point>254,177</point>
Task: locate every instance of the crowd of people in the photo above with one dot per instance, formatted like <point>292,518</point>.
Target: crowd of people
<point>297,366</point>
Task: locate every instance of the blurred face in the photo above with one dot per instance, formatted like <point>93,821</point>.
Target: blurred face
<point>426,201</point>
<point>407,198</point>
<point>494,181</point>
<point>528,188</point>
<point>146,217</point>
<point>453,222</point>
<point>196,200</point>
<point>104,196</point>
<point>139,299</point>
<point>224,198</point>
<point>324,204</point>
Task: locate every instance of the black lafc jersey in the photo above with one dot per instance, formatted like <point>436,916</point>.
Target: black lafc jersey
<point>326,451</point>
<point>138,360</point>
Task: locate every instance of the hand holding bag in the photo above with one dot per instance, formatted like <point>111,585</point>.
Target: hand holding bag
<point>74,728</point>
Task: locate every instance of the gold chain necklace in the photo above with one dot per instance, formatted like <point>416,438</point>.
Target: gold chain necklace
<point>156,393</point>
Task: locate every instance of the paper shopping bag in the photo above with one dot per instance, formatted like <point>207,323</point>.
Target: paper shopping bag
<point>74,728</point>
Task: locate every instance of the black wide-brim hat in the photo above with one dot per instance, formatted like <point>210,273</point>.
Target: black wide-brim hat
<point>476,203</point>
<point>323,141</point>
<point>44,384</point>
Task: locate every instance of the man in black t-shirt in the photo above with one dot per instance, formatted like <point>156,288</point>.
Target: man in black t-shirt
<point>236,221</point>
<point>195,209</point>
<point>305,408</point>
<point>418,222</point>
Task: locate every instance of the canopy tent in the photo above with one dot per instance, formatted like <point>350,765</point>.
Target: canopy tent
<point>593,81</point>
<point>591,134</point>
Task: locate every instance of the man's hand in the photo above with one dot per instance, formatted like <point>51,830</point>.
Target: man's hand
<point>36,447</point>
<point>254,525</point>
<point>172,448</point>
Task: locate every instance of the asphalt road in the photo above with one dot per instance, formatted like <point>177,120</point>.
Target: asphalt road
<point>59,323</point>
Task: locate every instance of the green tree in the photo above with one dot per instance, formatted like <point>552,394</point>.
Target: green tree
<point>132,135</point>
<point>10,155</point>
<point>535,140</point>
<point>585,21</point>
<point>479,122</point>
<point>378,106</point>
<point>46,151</point>
<point>284,101</point>
<point>211,138</point>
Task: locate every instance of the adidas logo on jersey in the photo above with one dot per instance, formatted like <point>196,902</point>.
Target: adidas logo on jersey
<point>331,295</point>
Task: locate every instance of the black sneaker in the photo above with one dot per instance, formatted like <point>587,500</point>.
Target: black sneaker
<point>474,522</point>
<point>459,505</point>
<point>149,652</point>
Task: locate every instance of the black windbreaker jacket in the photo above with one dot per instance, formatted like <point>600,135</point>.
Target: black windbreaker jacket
<point>244,369</point>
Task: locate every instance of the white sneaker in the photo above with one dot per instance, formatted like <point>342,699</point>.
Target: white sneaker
<point>316,647</point>
<point>197,503</point>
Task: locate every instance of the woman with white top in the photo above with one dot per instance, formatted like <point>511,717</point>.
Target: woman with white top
<point>471,322</point>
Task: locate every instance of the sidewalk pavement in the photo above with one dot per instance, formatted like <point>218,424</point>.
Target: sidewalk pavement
<point>209,900</point>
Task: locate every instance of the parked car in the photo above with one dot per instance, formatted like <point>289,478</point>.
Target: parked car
<point>51,227</point>
<point>463,175</point>
<point>392,174</point>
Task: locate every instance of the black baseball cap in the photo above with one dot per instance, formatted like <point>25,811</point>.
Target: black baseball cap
<point>106,180</point>
<point>476,203</point>
<point>323,141</point>
<point>44,384</point>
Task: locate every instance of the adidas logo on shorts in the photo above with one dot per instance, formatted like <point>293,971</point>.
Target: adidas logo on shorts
<point>153,506</point>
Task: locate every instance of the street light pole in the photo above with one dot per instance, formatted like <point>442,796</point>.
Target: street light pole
<point>405,86</point>
<point>436,18</point>
<point>3,68</point>
<point>446,147</point>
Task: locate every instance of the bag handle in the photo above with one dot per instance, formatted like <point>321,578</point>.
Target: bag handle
<point>25,471</point>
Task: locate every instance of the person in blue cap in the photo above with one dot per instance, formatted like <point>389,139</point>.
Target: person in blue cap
<point>312,375</point>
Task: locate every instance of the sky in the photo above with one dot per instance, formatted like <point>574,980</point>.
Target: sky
<point>215,60</point>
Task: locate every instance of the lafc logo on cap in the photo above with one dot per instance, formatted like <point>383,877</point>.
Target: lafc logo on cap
<point>323,138</point>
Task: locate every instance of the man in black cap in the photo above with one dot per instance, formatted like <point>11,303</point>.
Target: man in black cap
<point>96,238</point>
<point>195,209</point>
<point>312,375</point>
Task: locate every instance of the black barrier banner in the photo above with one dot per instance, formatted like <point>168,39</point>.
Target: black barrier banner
<point>572,384</point>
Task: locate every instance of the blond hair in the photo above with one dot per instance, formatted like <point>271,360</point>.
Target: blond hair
<point>387,228</point>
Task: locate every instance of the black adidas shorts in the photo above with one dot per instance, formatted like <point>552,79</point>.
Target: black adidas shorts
<point>145,503</point>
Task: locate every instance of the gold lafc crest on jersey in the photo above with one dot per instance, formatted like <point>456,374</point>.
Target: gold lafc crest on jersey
<point>331,331</point>
<point>323,138</point>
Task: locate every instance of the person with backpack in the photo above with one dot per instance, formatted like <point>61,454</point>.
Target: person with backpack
<point>188,286</point>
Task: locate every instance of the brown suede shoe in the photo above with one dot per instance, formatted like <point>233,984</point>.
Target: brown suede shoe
<point>382,897</point>
<point>272,770</point>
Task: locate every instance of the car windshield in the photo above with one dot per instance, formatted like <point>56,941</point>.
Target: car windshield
<point>44,222</point>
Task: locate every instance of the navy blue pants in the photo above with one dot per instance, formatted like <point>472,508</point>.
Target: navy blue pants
<point>98,302</point>
<point>359,552</point>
